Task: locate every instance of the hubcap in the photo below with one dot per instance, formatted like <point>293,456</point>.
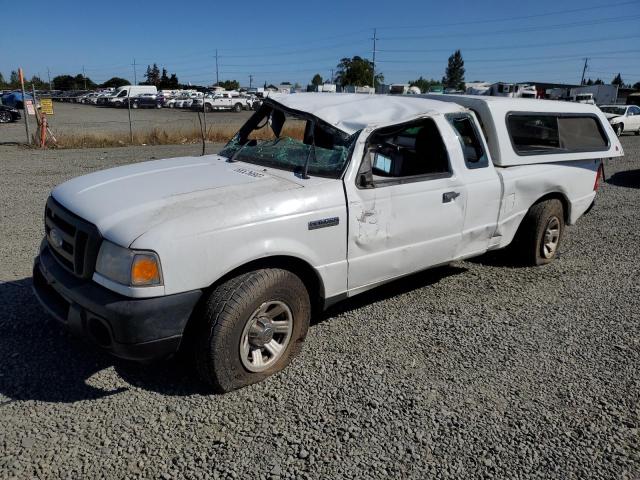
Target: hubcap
<point>551,237</point>
<point>266,336</point>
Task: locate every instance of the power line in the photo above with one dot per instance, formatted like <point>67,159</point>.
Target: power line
<point>515,47</point>
<point>520,17</point>
<point>625,18</point>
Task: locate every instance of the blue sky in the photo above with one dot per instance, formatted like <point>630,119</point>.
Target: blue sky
<point>500,40</point>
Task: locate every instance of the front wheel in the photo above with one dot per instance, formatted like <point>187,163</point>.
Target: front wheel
<point>5,117</point>
<point>251,327</point>
<point>619,129</point>
<point>540,233</point>
<point>237,107</point>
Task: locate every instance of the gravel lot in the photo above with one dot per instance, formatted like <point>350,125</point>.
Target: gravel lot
<point>85,119</point>
<point>476,370</point>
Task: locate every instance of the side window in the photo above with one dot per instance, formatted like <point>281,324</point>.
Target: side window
<point>634,111</point>
<point>547,133</point>
<point>411,150</point>
<point>467,133</point>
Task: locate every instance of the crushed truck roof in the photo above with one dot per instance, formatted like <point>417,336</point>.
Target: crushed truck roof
<point>351,112</point>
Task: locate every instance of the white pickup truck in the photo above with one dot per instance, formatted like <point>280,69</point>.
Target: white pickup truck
<point>316,199</point>
<point>223,101</point>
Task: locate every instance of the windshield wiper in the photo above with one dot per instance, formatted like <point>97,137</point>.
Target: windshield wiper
<point>237,152</point>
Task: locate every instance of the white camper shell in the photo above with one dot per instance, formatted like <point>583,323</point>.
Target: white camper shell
<point>530,131</point>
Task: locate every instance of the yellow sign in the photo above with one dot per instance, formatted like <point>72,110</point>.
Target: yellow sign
<point>46,106</point>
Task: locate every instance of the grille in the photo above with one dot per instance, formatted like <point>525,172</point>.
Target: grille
<point>74,241</point>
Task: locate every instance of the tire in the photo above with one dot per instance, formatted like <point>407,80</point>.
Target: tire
<point>638,131</point>
<point>158,106</point>
<point>237,107</point>
<point>234,328</point>
<point>5,117</point>
<point>619,129</point>
<point>540,234</point>
<point>208,108</point>
<point>134,104</point>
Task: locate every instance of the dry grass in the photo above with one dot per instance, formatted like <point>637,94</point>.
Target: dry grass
<point>157,136</point>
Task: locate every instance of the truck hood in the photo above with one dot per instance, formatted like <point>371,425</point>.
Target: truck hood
<point>125,202</point>
<point>611,116</point>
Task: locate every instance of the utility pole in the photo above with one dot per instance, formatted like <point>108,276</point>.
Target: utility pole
<point>49,76</point>
<point>586,60</point>
<point>250,81</point>
<point>84,77</point>
<point>217,75</point>
<point>135,75</point>
<point>331,78</point>
<point>373,74</point>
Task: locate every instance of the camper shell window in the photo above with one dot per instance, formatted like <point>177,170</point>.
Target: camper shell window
<point>551,133</point>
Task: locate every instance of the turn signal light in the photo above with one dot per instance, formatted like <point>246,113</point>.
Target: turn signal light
<point>145,270</point>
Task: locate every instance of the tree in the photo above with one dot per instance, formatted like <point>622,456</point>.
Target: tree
<point>617,80</point>
<point>316,80</point>
<point>152,75</point>
<point>14,80</point>
<point>636,86</point>
<point>37,83</point>
<point>173,81</point>
<point>423,84</point>
<point>588,82</point>
<point>115,82</point>
<point>229,84</point>
<point>164,79</point>
<point>356,71</point>
<point>597,81</point>
<point>454,74</point>
<point>3,82</point>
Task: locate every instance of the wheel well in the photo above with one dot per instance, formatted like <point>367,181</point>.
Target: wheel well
<point>563,200</point>
<point>301,268</point>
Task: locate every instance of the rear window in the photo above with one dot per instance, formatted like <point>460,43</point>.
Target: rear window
<point>555,133</point>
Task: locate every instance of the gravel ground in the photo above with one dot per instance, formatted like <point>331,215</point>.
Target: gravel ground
<point>75,118</point>
<point>475,370</point>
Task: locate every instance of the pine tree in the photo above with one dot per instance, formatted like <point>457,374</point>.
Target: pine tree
<point>617,80</point>
<point>454,74</point>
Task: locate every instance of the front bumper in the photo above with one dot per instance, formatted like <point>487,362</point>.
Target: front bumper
<point>142,329</point>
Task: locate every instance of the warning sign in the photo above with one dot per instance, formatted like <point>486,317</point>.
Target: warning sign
<point>29,105</point>
<point>46,106</point>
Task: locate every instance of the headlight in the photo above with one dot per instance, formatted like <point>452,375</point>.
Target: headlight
<point>128,267</point>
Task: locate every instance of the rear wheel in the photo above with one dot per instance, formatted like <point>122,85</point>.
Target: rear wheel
<point>250,328</point>
<point>207,108</point>
<point>5,117</point>
<point>540,233</point>
<point>237,107</point>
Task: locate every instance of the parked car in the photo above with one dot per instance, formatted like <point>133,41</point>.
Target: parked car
<point>9,114</point>
<point>228,255</point>
<point>121,93</point>
<point>145,100</point>
<point>623,118</point>
<point>222,101</point>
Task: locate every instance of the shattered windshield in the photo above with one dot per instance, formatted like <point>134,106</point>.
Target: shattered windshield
<point>292,141</point>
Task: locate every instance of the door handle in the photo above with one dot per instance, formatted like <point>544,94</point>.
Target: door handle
<point>448,196</point>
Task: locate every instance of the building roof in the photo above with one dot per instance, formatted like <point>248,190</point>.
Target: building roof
<point>351,112</point>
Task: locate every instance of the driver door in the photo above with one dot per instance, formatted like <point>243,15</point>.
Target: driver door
<point>406,206</point>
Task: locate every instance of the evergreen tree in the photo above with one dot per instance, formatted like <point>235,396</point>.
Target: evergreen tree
<point>316,80</point>
<point>454,74</point>
<point>14,81</point>
<point>617,80</point>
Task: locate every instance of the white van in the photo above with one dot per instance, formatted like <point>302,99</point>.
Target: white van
<point>125,91</point>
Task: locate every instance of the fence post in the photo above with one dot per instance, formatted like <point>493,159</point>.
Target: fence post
<point>24,106</point>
